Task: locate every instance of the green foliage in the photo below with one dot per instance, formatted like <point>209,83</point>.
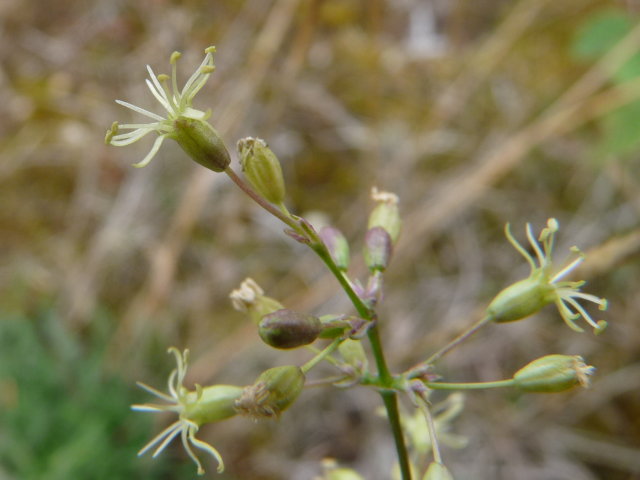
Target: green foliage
<point>61,414</point>
<point>596,37</point>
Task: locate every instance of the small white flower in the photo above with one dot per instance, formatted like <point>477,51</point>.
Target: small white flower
<point>564,294</point>
<point>193,409</point>
<point>176,103</point>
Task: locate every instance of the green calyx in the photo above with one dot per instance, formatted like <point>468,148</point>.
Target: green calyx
<point>201,142</point>
<point>522,299</point>
<point>211,404</point>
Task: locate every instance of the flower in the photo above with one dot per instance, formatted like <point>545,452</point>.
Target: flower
<point>205,405</point>
<point>182,122</point>
<point>543,286</point>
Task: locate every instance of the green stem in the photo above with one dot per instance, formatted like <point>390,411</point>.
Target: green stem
<point>256,197</point>
<point>469,386</point>
<point>457,341</point>
<point>390,400</point>
<point>389,397</point>
<point>320,356</point>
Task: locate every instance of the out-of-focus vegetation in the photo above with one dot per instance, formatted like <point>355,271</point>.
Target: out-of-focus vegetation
<point>475,113</point>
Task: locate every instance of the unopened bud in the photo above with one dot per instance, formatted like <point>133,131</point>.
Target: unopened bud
<point>354,355</point>
<point>262,168</point>
<point>337,245</point>
<point>437,471</point>
<point>522,299</point>
<point>211,404</point>
<point>272,393</point>
<point>386,213</point>
<point>377,249</point>
<point>201,142</point>
<point>286,328</point>
<point>553,373</point>
<point>250,298</point>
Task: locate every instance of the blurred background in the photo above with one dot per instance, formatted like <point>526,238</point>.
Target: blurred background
<point>476,113</point>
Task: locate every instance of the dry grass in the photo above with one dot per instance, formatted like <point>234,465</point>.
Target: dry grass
<point>495,124</point>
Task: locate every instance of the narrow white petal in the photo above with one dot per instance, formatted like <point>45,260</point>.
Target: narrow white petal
<point>160,97</point>
<point>140,110</point>
<point>207,448</point>
<point>129,138</point>
<point>170,430</point>
<point>536,247</point>
<point>159,90</point>
<point>156,392</point>
<point>154,149</point>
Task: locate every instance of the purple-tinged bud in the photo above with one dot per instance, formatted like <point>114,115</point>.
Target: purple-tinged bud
<point>553,373</point>
<point>272,393</point>
<point>286,328</point>
<point>337,245</point>
<point>378,247</point>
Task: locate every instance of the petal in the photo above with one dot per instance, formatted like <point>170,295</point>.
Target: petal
<point>140,110</point>
<point>154,149</point>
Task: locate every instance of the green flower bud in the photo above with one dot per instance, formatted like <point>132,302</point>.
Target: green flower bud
<point>437,471</point>
<point>553,373</point>
<point>286,328</point>
<point>250,298</point>
<point>262,168</point>
<point>377,249</point>
<point>272,393</point>
<point>386,213</point>
<point>337,245</point>
<point>522,299</point>
<point>211,404</point>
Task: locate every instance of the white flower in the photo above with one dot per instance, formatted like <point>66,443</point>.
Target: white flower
<point>176,103</point>
<point>194,409</point>
<point>545,286</point>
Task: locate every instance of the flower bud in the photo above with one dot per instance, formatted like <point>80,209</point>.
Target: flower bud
<point>250,298</point>
<point>437,471</point>
<point>262,168</point>
<point>201,142</point>
<point>272,393</point>
<point>377,249</point>
<point>521,299</point>
<point>386,213</point>
<point>337,245</point>
<point>211,404</point>
<point>354,355</point>
<point>286,328</point>
<point>553,373</point>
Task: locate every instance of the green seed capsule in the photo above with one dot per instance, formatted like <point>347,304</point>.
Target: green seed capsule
<point>272,393</point>
<point>202,143</point>
<point>262,168</point>
<point>286,328</point>
<point>553,373</point>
